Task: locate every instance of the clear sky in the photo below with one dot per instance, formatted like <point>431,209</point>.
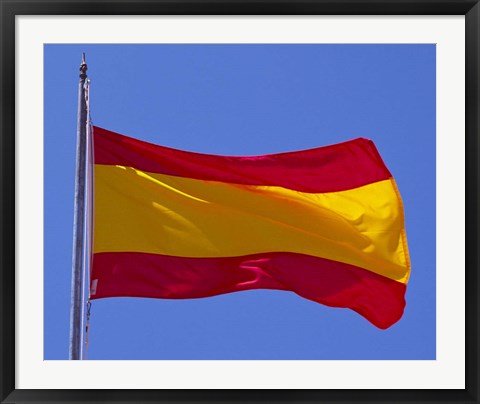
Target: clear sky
<point>245,100</point>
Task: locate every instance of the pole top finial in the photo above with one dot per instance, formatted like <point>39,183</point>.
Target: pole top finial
<point>83,67</point>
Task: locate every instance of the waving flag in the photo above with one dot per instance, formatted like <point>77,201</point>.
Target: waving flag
<point>325,223</point>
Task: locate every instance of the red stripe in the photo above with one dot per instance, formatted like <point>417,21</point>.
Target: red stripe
<point>326,169</point>
<point>380,300</point>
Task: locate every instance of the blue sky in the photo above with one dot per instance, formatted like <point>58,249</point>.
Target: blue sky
<point>245,100</point>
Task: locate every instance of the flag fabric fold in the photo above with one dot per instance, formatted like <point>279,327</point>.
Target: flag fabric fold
<point>325,223</point>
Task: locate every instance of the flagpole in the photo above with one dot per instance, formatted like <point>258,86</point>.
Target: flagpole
<point>76,302</point>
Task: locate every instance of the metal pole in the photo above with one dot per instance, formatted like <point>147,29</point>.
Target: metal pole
<point>76,306</point>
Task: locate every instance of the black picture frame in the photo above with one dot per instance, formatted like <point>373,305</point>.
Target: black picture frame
<point>9,9</point>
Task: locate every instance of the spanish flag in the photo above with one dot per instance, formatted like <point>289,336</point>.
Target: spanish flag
<point>325,223</point>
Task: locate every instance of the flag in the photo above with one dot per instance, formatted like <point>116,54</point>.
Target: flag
<point>325,223</point>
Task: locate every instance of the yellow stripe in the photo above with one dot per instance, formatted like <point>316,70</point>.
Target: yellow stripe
<point>137,211</point>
